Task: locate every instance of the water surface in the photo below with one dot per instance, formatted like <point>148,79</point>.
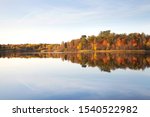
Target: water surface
<point>93,76</point>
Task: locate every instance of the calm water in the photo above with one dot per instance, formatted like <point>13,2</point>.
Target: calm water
<point>74,76</point>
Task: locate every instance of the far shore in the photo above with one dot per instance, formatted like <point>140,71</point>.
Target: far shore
<point>106,51</point>
<point>122,51</point>
<point>83,51</point>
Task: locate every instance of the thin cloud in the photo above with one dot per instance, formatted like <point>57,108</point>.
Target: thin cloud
<point>58,19</point>
<point>56,16</point>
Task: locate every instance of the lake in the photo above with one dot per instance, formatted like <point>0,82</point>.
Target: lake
<point>74,76</point>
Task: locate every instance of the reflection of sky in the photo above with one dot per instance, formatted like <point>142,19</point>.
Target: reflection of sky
<point>53,79</point>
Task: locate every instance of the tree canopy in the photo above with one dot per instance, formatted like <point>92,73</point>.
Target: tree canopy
<point>105,40</point>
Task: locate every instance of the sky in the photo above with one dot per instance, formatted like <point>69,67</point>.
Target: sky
<point>54,21</point>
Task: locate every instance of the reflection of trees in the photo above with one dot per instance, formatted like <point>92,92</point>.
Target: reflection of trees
<point>104,61</point>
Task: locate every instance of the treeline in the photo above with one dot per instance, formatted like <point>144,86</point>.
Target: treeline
<point>105,40</point>
<point>109,41</point>
<point>29,47</point>
<point>104,61</point>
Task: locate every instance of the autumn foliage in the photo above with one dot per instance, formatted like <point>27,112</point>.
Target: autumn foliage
<point>105,40</point>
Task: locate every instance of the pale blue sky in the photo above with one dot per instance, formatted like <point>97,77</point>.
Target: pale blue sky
<point>54,21</point>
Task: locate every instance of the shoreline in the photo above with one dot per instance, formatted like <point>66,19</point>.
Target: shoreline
<point>84,51</point>
<point>114,51</point>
